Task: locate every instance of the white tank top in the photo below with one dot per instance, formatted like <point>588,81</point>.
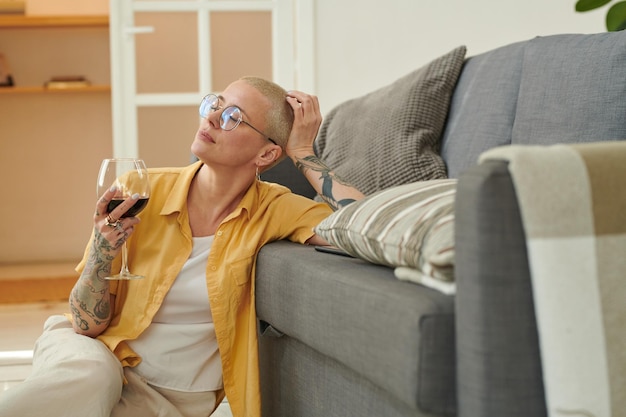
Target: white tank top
<point>179,349</point>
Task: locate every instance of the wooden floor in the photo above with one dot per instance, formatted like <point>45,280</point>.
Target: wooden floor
<point>29,294</point>
<point>20,326</point>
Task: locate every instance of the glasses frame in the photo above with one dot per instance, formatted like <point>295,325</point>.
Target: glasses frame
<point>223,121</point>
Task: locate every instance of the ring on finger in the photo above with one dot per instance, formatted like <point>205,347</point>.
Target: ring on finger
<point>110,222</point>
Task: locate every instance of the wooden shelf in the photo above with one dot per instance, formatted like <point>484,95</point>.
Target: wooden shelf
<point>23,21</point>
<point>30,283</point>
<point>39,90</point>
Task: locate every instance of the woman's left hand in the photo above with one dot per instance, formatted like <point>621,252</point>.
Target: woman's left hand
<point>306,124</point>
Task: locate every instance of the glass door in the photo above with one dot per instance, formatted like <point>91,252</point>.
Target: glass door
<point>166,55</point>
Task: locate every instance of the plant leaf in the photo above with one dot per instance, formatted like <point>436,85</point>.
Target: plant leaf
<point>586,5</point>
<point>616,17</point>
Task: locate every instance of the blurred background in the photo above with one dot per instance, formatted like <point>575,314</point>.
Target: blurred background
<point>141,91</point>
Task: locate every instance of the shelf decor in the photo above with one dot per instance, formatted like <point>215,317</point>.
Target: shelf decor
<point>63,82</point>
<point>12,6</point>
<point>6,79</point>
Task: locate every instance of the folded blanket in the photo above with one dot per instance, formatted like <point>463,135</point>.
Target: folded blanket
<point>573,205</point>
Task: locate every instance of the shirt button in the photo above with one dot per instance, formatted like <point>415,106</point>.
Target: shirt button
<point>219,233</point>
<point>213,268</point>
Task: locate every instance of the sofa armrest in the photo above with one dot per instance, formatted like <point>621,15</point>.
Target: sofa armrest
<point>499,369</point>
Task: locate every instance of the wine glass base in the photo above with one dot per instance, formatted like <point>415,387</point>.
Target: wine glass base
<point>124,277</point>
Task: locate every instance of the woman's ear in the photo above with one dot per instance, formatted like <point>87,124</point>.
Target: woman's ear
<point>269,155</point>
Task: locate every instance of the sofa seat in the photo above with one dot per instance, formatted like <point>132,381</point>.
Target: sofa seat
<point>399,336</point>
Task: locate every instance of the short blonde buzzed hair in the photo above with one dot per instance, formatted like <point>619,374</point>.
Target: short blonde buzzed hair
<point>279,120</point>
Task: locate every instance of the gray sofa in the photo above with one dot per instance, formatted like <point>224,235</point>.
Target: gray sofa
<point>344,337</point>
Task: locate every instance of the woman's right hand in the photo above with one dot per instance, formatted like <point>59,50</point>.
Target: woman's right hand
<point>306,124</point>
<point>111,231</point>
<point>91,301</point>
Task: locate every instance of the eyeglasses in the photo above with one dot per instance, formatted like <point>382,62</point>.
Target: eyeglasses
<point>231,116</point>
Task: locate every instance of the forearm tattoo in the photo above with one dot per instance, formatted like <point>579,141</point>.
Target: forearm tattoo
<point>328,178</point>
<point>90,298</point>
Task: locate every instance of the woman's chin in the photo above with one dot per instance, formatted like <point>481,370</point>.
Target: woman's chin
<point>198,147</point>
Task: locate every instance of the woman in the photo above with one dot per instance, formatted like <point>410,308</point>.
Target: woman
<point>176,342</point>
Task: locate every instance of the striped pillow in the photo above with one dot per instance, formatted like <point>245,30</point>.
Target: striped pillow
<point>409,226</point>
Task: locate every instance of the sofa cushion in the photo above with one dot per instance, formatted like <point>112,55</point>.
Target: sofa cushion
<point>483,107</point>
<point>398,335</point>
<point>572,90</point>
<point>392,135</point>
<point>411,225</point>
<point>516,94</point>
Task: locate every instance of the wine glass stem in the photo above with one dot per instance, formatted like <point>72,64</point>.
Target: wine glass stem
<point>124,270</point>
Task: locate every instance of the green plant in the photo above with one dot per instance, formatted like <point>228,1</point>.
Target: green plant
<point>615,17</point>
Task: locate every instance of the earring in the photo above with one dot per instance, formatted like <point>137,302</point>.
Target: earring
<point>258,176</point>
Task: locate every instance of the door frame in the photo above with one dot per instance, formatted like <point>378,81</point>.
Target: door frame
<point>292,56</point>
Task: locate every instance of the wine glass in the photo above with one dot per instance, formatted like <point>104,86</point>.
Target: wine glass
<point>130,177</point>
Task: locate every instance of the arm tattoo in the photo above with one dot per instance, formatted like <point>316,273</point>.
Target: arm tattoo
<point>90,298</point>
<point>328,178</point>
<point>76,314</point>
<point>102,309</point>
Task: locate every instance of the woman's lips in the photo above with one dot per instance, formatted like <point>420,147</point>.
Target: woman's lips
<point>205,136</point>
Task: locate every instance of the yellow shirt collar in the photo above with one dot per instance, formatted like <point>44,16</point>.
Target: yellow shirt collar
<point>177,198</point>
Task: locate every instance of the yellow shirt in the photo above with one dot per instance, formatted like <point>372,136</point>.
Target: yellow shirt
<point>161,244</point>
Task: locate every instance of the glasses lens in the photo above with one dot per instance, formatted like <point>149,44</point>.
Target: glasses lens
<point>209,103</point>
<point>231,116</point>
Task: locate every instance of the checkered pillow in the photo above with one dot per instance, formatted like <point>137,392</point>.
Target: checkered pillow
<point>392,135</point>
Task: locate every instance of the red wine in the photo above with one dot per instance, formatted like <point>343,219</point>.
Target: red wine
<point>133,211</point>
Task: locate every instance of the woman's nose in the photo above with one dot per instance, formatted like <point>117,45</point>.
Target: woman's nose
<point>213,117</point>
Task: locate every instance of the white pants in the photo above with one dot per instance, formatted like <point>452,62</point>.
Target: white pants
<point>77,376</point>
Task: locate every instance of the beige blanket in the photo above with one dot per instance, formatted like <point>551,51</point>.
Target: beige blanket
<point>573,205</point>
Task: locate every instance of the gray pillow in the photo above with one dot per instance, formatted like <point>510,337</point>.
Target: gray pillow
<point>392,136</point>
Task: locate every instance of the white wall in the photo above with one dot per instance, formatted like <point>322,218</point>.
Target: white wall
<point>361,45</point>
